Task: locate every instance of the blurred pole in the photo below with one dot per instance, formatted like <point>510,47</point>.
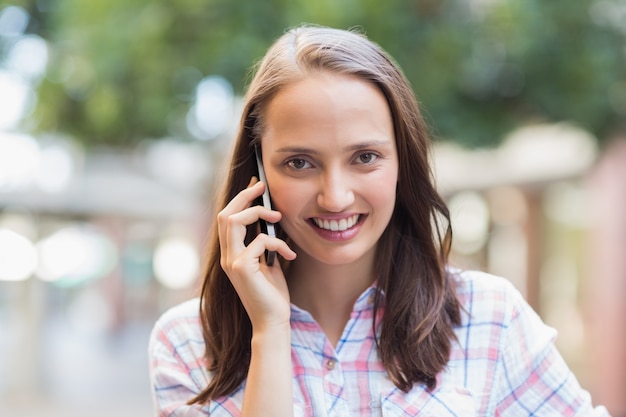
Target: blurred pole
<point>113,284</point>
<point>533,230</point>
<point>25,366</point>
<point>607,280</point>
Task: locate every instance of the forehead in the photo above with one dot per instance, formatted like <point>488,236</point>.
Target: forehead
<point>327,99</point>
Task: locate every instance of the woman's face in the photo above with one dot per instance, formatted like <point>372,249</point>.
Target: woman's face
<point>332,166</point>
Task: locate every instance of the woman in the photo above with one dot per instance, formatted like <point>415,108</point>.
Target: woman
<point>362,315</point>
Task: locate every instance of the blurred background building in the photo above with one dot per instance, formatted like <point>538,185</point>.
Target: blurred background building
<point>115,116</point>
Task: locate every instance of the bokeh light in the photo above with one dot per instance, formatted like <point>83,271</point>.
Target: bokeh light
<point>16,100</point>
<point>13,21</point>
<point>470,221</point>
<point>18,257</point>
<point>19,159</point>
<point>213,110</point>
<point>28,57</point>
<point>75,254</point>
<point>176,263</point>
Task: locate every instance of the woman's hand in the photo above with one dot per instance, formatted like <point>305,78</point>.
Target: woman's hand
<point>262,289</point>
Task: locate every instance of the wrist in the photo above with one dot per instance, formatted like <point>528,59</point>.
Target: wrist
<point>272,334</point>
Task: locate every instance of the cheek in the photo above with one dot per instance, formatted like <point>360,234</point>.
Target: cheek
<point>289,197</point>
<point>381,190</point>
<point>383,204</point>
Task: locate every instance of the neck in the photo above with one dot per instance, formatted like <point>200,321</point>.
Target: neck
<point>329,292</point>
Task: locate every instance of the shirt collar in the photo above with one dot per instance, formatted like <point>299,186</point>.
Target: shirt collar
<point>364,302</point>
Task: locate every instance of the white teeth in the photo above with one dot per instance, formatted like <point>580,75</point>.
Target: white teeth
<point>337,226</point>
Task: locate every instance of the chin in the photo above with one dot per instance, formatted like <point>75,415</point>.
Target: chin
<point>337,257</point>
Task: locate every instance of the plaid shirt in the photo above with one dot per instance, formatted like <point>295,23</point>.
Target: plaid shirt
<point>504,364</point>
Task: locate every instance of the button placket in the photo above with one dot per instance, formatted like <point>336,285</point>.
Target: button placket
<point>334,388</point>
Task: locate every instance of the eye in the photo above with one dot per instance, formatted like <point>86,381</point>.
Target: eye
<point>298,164</point>
<point>367,158</point>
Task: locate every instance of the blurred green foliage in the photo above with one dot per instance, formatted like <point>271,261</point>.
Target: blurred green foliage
<point>125,70</point>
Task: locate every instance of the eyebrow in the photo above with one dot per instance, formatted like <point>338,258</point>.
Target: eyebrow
<point>355,147</point>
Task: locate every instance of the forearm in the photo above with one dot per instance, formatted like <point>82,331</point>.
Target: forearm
<point>268,386</point>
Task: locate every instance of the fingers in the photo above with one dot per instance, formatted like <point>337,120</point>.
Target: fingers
<point>226,221</point>
<point>244,266</point>
<point>237,215</point>
<point>264,243</point>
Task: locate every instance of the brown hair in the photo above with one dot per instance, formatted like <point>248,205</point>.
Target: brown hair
<point>421,307</point>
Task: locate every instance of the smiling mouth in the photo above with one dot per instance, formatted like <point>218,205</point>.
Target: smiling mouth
<point>337,225</point>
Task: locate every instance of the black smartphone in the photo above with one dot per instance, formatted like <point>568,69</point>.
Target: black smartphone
<point>266,227</point>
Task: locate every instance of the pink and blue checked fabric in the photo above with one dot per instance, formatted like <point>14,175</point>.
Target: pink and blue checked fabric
<point>504,364</point>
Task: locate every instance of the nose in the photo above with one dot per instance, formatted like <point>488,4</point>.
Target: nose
<point>335,192</point>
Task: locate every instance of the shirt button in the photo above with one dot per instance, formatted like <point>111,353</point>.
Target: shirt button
<point>330,364</point>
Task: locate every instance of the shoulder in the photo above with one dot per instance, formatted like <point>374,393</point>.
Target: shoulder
<point>491,306</point>
<point>178,325</point>
<point>186,312</point>
<point>189,309</point>
<point>478,285</point>
<point>487,297</point>
<point>177,360</point>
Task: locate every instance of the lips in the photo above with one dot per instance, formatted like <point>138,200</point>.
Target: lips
<point>336,225</point>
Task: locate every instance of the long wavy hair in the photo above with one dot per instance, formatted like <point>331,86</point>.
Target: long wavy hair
<point>418,294</point>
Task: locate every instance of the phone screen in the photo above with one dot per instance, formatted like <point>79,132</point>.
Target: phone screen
<point>266,227</point>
